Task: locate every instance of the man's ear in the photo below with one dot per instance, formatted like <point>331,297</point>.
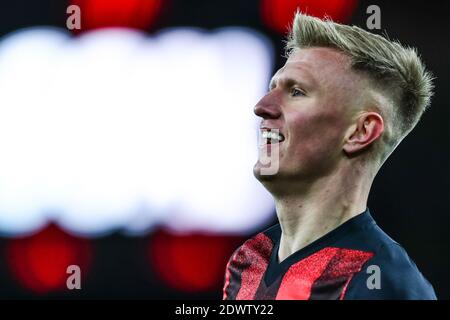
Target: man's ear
<point>368,127</point>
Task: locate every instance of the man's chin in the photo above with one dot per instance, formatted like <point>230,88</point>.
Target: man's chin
<point>264,173</point>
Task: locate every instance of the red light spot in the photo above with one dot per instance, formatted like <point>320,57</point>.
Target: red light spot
<point>278,14</point>
<point>191,263</point>
<point>40,262</point>
<point>138,14</point>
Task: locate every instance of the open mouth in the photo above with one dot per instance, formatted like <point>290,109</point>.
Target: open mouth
<point>271,136</point>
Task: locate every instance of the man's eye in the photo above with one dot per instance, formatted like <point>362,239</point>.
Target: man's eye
<point>297,92</point>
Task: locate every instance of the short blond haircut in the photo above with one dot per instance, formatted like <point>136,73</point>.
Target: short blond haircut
<point>396,69</point>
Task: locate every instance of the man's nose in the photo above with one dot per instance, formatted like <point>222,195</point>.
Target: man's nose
<point>267,108</point>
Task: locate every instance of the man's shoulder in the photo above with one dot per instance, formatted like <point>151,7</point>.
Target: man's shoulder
<point>259,244</point>
<point>269,234</point>
<point>388,252</point>
<point>389,274</point>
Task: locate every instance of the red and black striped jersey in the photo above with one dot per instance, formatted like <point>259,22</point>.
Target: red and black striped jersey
<point>340,265</point>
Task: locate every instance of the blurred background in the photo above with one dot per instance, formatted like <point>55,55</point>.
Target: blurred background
<point>115,142</point>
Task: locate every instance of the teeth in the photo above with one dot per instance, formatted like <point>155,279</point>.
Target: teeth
<point>272,135</point>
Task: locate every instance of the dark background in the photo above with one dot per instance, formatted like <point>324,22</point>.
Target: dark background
<point>410,196</point>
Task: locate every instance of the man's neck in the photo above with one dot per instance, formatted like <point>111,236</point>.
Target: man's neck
<point>307,216</point>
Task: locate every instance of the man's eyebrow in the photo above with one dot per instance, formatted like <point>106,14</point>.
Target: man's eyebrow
<point>289,81</point>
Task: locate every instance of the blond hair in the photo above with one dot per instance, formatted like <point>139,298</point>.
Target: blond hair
<point>396,69</point>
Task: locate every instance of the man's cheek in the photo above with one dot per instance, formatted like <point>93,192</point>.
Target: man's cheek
<point>317,138</point>
<point>315,130</point>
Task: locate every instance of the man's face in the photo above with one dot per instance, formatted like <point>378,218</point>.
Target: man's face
<point>311,102</point>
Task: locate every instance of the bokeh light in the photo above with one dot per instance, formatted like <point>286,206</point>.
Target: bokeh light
<point>191,262</point>
<point>137,14</point>
<point>278,14</point>
<point>39,262</point>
